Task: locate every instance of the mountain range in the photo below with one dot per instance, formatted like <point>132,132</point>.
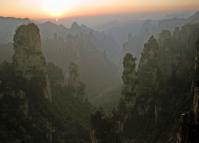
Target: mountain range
<point>93,51</point>
<point>98,53</point>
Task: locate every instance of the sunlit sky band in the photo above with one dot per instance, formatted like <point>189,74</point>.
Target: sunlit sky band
<point>70,8</point>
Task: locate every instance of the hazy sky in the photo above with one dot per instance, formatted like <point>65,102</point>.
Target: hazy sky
<point>70,8</point>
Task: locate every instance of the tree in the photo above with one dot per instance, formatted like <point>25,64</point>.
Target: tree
<point>103,128</point>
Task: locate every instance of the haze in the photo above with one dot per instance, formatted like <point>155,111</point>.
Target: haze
<point>99,71</point>
<point>37,9</point>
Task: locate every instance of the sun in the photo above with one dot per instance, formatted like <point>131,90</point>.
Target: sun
<point>57,8</point>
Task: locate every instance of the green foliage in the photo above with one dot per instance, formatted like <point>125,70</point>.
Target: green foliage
<point>20,120</point>
<point>110,128</point>
<point>129,76</point>
<point>104,127</point>
<point>148,69</point>
<point>26,115</point>
<point>164,81</point>
<point>162,88</point>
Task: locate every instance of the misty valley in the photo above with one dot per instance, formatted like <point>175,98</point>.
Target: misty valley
<point>133,82</point>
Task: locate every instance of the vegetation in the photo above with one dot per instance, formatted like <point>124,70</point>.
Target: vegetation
<point>42,102</point>
<point>27,113</point>
<point>161,90</point>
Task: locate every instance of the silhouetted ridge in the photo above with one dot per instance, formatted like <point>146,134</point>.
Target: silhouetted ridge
<point>75,26</point>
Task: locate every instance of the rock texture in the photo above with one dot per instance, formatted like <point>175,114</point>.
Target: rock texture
<point>188,130</point>
<point>28,58</point>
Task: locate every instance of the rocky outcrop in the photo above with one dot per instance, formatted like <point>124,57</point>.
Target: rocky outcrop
<point>28,58</point>
<point>30,64</point>
<point>188,128</point>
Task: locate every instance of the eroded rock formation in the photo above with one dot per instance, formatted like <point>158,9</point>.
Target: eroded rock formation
<point>28,58</point>
<point>188,128</point>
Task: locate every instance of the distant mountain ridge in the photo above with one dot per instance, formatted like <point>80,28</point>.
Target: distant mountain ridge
<point>194,18</point>
<point>93,51</point>
<point>119,30</point>
<point>48,30</point>
<point>96,52</point>
<point>134,43</point>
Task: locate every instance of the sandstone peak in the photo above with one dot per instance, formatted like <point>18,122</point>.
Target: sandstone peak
<point>28,58</point>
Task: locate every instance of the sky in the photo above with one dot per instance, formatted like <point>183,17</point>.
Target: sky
<point>38,9</point>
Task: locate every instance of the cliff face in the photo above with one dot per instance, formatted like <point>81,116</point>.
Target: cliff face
<point>28,59</point>
<point>162,90</point>
<point>26,115</point>
<point>188,128</point>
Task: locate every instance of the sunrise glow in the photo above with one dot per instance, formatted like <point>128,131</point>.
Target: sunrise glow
<point>69,8</point>
<point>58,8</point>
